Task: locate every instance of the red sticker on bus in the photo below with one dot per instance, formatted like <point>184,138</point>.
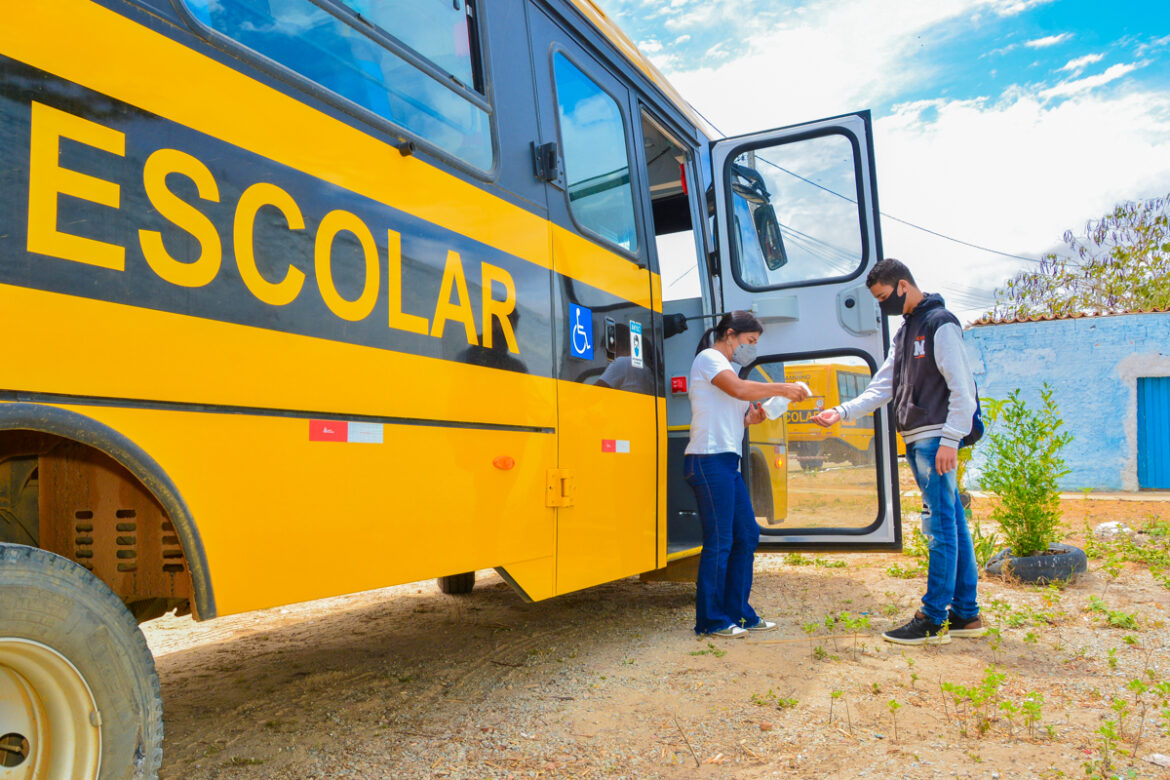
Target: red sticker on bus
<point>328,430</point>
<point>609,445</point>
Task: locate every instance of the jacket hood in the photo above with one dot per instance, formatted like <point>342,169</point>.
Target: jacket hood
<point>929,301</point>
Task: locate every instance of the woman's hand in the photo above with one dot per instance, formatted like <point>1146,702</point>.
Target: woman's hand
<point>792,391</point>
<point>755,415</point>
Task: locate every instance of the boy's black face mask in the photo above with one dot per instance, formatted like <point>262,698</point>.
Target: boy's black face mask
<point>894,304</point>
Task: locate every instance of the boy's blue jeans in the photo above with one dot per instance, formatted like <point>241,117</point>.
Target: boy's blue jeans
<point>730,536</point>
<point>952,576</point>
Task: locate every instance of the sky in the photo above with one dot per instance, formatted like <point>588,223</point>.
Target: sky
<point>1001,123</point>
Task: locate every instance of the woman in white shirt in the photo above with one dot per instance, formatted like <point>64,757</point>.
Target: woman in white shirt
<point>722,404</point>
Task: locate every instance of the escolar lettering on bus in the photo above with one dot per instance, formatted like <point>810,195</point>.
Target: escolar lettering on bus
<point>49,180</point>
<point>798,416</point>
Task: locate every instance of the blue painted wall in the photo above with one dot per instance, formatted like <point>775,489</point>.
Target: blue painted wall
<point>1092,363</point>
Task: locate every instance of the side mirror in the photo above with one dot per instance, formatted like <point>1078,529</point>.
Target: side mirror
<point>771,240</point>
<point>673,324</point>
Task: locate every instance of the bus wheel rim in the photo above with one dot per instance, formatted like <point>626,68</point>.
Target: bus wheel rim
<point>50,725</point>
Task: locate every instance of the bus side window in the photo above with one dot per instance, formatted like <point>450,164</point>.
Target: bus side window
<point>439,30</point>
<point>845,386</point>
<point>361,51</point>
<point>597,164</point>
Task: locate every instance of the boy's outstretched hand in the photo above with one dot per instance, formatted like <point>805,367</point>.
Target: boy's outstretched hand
<point>826,418</point>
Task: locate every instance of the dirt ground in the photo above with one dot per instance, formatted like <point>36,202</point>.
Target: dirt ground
<point>407,682</point>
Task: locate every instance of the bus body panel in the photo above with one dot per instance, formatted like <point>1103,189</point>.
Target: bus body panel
<point>285,518</point>
<point>228,365</point>
<point>610,439</point>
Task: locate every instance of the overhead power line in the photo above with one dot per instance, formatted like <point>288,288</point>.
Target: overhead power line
<point>883,213</point>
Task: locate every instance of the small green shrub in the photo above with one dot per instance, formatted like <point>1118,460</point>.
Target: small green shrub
<point>1023,464</point>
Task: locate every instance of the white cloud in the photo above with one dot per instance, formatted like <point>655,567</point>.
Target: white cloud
<point>811,64</point>
<point>1080,63</point>
<point>1012,175</point>
<point>1000,51</point>
<point>1067,88</point>
<point>1011,172</point>
<point>1014,7</point>
<point>692,16</point>
<point>1148,46</point>
<point>1050,40</point>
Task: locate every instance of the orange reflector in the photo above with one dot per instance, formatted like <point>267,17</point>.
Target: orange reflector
<point>504,463</point>
<point>779,463</point>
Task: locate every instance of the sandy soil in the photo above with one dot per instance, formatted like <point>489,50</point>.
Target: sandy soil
<point>409,683</point>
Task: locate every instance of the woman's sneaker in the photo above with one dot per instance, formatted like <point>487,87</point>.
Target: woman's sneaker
<point>972,627</point>
<point>921,630</point>
<point>729,633</point>
<point>763,625</point>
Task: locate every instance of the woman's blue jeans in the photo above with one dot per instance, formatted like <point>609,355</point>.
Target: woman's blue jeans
<point>952,576</point>
<point>730,536</point>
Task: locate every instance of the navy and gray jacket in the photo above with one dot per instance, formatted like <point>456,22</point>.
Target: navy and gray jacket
<point>927,377</point>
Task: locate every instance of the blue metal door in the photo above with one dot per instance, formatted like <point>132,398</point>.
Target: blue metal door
<point>1153,419</point>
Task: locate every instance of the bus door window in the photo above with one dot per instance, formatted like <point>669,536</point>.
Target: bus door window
<point>597,163</point>
<point>788,205</point>
<point>806,479</point>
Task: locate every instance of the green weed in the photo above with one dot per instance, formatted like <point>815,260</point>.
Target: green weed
<point>770,699</point>
<point>711,649</point>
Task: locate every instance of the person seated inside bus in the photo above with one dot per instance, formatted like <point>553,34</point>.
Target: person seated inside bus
<point>622,374</point>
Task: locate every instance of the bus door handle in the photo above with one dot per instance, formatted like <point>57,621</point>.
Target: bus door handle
<point>559,489</point>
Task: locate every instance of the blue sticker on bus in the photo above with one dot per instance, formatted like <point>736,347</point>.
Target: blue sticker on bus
<point>580,332</point>
<point>635,344</point>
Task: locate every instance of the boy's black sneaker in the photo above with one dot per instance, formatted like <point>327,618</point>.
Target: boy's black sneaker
<point>972,627</point>
<point>919,631</point>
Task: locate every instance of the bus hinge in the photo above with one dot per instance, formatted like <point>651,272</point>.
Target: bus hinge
<point>559,487</point>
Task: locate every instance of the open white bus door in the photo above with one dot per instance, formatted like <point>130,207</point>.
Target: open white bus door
<point>797,231</point>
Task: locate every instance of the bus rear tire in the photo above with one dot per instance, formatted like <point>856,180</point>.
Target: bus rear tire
<point>87,678</point>
<point>457,584</point>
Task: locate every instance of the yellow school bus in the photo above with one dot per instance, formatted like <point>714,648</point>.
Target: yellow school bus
<point>831,384</point>
<point>310,297</point>
<point>769,443</point>
<point>847,441</point>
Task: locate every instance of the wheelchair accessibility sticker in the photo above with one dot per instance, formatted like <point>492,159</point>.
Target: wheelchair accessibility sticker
<point>580,332</point>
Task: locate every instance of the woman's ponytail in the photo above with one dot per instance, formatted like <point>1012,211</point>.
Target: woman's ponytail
<point>740,321</point>
<point>705,340</point>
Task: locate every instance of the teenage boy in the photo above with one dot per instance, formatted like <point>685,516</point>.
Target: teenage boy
<point>927,377</point>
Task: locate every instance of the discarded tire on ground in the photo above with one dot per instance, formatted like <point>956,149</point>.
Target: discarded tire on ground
<point>77,680</point>
<point>1061,562</point>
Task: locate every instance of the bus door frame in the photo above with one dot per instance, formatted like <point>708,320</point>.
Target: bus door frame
<point>819,318</point>
<point>607,525</point>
